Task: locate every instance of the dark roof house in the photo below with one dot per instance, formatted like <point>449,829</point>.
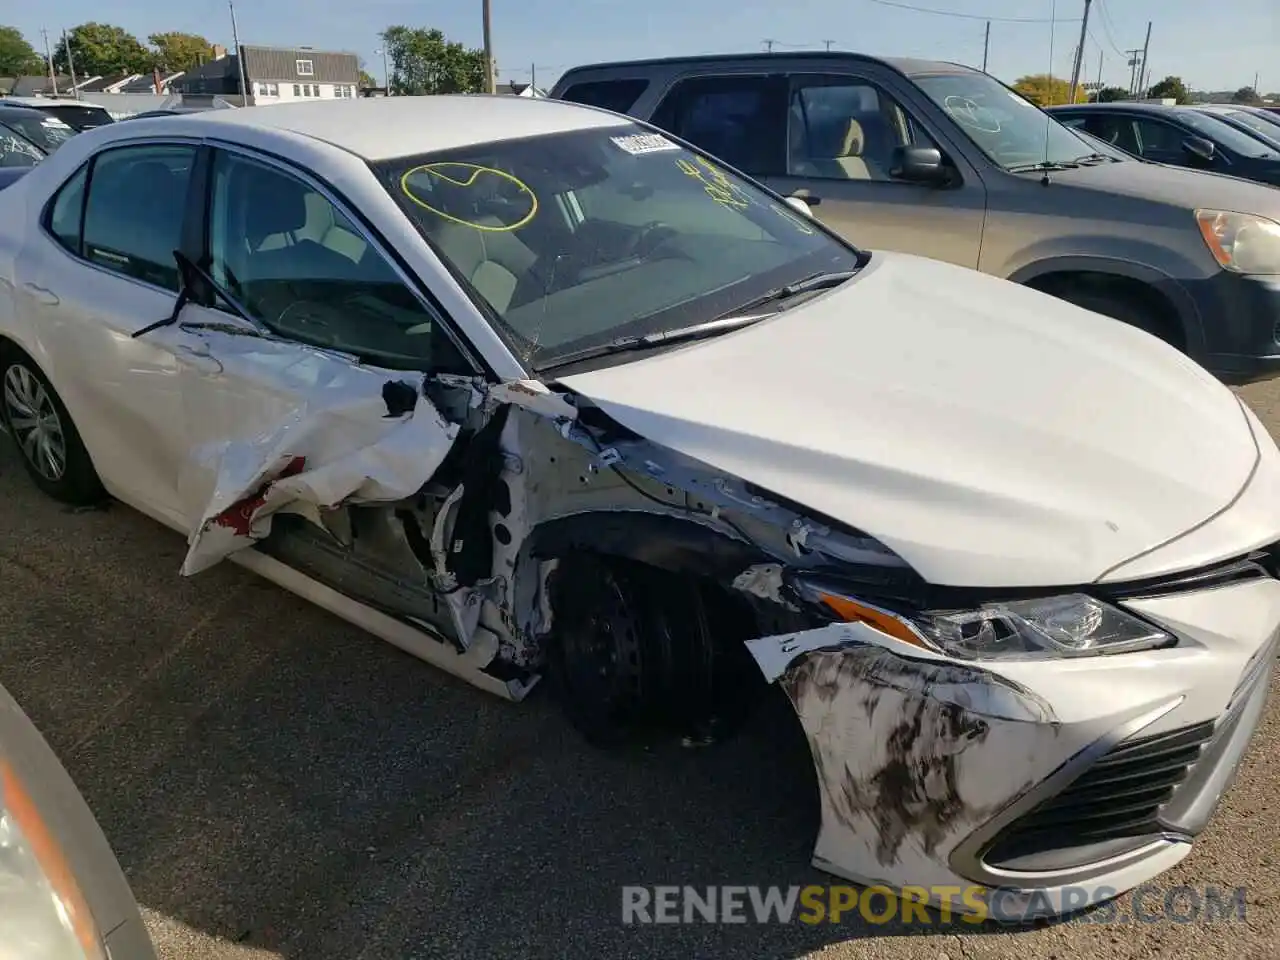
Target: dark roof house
<point>276,74</point>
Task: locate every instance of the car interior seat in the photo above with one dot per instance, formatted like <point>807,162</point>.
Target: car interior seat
<point>492,261</point>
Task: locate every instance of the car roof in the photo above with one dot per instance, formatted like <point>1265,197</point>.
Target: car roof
<point>43,103</point>
<point>906,65</point>
<point>378,128</point>
<point>1129,106</point>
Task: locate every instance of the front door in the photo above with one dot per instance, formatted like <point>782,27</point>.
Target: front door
<point>321,322</point>
<point>830,139</point>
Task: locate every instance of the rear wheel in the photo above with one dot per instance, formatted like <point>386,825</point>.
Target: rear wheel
<point>47,441</point>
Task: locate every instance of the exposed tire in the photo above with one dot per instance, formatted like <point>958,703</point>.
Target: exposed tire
<point>1126,309</point>
<point>633,653</point>
<point>41,428</point>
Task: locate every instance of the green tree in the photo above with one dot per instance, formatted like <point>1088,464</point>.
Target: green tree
<point>17,57</point>
<point>1110,95</point>
<point>100,49</point>
<point>1170,87</point>
<point>367,81</point>
<point>179,51</point>
<point>1045,91</point>
<point>423,62</point>
<point>1245,95</point>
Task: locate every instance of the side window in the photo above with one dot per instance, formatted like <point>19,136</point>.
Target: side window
<point>616,95</point>
<point>740,120</point>
<point>298,265</point>
<point>1117,131</point>
<point>134,213</point>
<point>1159,141</point>
<point>66,213</point>
<point>846,129</point>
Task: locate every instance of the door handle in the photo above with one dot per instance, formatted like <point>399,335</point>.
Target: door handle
<point>41,294</point>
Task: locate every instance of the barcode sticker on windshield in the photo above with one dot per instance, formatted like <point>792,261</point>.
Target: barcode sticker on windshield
<point>645,143</point>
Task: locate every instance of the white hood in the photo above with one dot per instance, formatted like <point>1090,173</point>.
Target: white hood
<point>989,434</point>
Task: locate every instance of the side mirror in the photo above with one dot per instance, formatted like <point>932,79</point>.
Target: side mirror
<point>919,165</point>
<point>1199,148</point>
<point>798,203</point>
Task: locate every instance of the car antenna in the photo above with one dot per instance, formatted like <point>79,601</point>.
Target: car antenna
<point>1053,17</point>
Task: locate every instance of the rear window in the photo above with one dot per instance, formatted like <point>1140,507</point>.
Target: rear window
<point>616,95</point>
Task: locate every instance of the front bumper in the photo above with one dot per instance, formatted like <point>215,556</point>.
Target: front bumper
<point>1033,788</point>
<point>1241,320</point>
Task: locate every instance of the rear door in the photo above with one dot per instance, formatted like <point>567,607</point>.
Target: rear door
<point>99,268</point>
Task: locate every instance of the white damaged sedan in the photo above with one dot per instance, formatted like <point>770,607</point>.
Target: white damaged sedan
<point>529,389</point>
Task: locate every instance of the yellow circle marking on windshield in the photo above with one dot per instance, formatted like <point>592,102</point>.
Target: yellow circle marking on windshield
<point>465,175</point>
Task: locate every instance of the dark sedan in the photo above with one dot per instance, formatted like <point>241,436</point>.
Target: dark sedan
<point>1252,120</point>
<point>1181,136</point>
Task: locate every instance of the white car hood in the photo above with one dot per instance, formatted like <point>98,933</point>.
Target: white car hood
<point>989,434</point>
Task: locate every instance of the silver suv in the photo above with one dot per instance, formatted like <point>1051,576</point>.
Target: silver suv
<point>944,161</point>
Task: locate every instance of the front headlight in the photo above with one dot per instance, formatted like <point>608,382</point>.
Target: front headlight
<point>1071,625</point>
<point>1241,242</point>
<point>43,915</point>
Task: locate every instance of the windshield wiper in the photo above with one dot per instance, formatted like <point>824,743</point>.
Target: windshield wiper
<point>819,281</point>
<point>1043,165</point>
<point>1091,158</point>
<point>622,344</point>
<point>743,316</point>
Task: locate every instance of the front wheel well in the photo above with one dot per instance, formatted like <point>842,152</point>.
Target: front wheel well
<point>1132,300</point>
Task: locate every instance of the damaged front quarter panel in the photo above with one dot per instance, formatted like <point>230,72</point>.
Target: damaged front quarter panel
<point>913,752</point>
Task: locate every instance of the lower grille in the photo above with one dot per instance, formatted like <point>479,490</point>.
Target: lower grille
<point>1119,797</point>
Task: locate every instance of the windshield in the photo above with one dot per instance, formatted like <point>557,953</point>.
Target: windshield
<point>1007,127</point>
<point>48,133</point>
<point>572,240</point>
<point>16,150</point>
<point>1224,134</point>
<point>78,116</point>
<point>1269,132</point>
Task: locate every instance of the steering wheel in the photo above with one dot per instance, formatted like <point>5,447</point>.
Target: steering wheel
<point>648,238</point>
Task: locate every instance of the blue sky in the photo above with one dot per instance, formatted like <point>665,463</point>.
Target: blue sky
<point>1219,47</point>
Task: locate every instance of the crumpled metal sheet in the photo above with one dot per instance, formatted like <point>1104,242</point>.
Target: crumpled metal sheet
<point>913,751</point>
<point>351,451</point>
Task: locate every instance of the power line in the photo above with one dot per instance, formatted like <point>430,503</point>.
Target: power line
<point>973,16</point>
<point>1106,28</point>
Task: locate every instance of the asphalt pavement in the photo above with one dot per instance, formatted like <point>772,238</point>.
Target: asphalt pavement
<point>279,784</point>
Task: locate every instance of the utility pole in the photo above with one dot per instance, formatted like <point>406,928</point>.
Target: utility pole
<point>53,77</point>
<point>235,38</point>
<point>386,77</point>
<point>1143,75</point>
<point>71,65</point>
<point>1075,69</point>
<point>490,74</point>
<point>1100,58</point>
<point>533,77</point>
<point>986,46</point>
<point>768,45</point>
<point>1133,69</point>
<point>827,44</point>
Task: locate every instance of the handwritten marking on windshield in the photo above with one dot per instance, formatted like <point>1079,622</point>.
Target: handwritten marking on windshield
<point>456,175</point>
<point>716,183</point>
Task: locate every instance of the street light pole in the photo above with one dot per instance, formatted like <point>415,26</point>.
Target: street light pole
<point>386,75</point>
<point>490,76</point>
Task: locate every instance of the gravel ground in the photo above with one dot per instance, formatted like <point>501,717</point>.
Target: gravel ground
<point>278,784</point>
